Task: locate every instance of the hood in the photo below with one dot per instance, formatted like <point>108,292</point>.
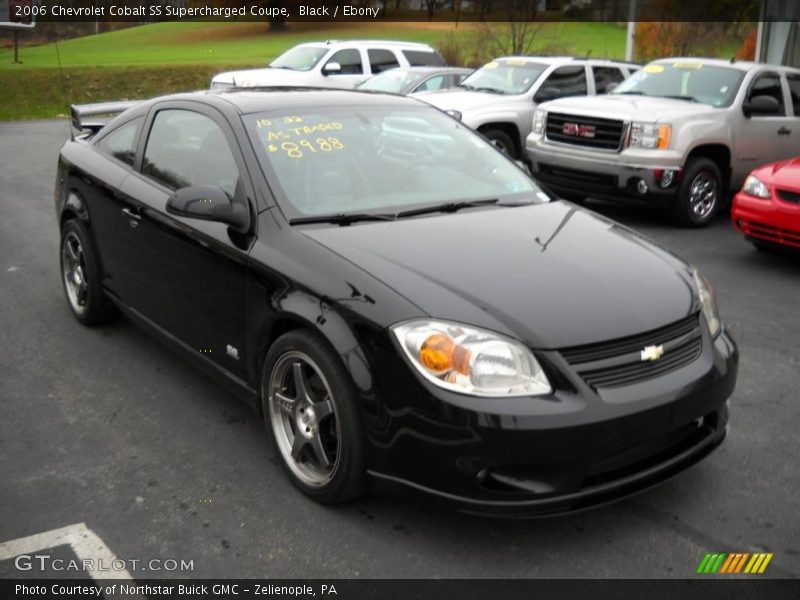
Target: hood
<point>628,107</point>
<point>460,99</point>
<point>785,174</point>
<point>266,76</point>
<point>553,275</point>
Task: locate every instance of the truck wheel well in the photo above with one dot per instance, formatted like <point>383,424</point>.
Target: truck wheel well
<point>508,128</point>
<point>720,154</point>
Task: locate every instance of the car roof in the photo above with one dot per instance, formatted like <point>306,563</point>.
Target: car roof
<point>427,70</point>
<point>255,100</point>
<point>365,43</point>
<point>741,65</point>
<point>560,60</point>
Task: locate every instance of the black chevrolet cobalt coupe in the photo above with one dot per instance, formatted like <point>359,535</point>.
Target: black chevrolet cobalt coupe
<point>401,302</point>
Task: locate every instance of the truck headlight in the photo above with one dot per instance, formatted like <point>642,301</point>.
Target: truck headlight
<point>708,301</point>
<point>650,135</point>
<point>539,120</point>
<point>753,186</point>
<point>469,360</point>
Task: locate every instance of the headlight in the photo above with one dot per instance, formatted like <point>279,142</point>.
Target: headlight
<point>470,360</point>
<point>650,135</point>
<point>709,303</point>
<point>755,187</point>
<point>539,119</point>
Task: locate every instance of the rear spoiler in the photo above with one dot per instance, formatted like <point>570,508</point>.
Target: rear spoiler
<point>108,110</point>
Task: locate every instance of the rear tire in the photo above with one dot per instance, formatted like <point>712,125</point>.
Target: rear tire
<point>502,141</point>
<point>81,276</point>
<point>700,194</point>
<point>310,408</point>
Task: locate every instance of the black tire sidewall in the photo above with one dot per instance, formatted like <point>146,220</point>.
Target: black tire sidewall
<point>682,213</point>
<point>348,480</point>
<point>501,136</point>
<point>99,309</point>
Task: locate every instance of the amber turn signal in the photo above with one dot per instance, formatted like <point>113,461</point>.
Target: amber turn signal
<point>439,353</point>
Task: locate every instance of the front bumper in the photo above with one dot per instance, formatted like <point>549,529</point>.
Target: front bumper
<point>767,219</point>
<point>571,451</point>
<point>599,174</point>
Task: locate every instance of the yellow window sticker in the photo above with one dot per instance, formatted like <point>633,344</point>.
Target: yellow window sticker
<point>491,65</point>
<point>653,69</point>
<point>686,65</point>
<point>515,61</point>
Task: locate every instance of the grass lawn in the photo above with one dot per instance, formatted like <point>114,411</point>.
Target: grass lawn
<point>163,57</point>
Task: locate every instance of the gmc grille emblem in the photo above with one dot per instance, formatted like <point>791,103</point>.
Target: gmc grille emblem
<point>577,130</point>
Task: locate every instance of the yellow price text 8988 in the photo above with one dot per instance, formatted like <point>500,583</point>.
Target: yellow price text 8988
<point>303,148</point>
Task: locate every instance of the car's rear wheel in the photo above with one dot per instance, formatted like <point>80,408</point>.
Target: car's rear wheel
<point>310,407</point>
<point>502,141</point>
<point>699,195</point>
<point>81,276</point>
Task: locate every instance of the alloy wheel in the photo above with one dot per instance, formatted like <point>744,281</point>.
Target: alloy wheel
<point>73,268</point>
<point>304,420</point>
<point>703,195</point>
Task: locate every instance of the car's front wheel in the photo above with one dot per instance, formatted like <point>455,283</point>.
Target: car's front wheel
<point>501,140</point>
<point>699,195</point>
<point>310,407</point>
<point>81,276</point>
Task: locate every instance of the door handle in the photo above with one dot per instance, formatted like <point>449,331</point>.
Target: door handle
<point>131,214</point>
<point>784,131</point>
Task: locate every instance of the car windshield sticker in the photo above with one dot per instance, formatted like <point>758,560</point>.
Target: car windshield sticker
<point>653,69</point>
<point>515,61</point>
<point>680,65</point>
<point>491,65</point>
<point>296,138</point>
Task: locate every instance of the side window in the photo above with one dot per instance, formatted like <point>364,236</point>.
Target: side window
<point>121,143</point>
<point>350,60</point>
<point>794,90</point>
<point>421,58</point>
<point>432,84</point>
<point>187,148</point>
<point>569,81</point>
<point>768,84</point>
<point>605,76</point>
<point>382,60</point>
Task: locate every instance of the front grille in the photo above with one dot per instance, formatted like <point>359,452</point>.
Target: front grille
<point>788,196</point>
<point>619,362</point>
<point>591,132</point>
<point>770,233</point>
<point>575,178</point>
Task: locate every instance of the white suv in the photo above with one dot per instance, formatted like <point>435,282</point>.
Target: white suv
<point>336,64</point>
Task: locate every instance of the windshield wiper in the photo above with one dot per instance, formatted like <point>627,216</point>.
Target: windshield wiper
<point>680,97</point>
<point>447,207</point>
<point>631,92</point>
<point>343,218</point>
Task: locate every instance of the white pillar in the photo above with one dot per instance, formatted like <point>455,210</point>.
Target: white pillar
<point>631,30</point>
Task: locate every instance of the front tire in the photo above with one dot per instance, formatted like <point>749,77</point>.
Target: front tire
<point>81,276</point>
<point>699,194</point>
<point>310,407</point>
<point>502,141</point>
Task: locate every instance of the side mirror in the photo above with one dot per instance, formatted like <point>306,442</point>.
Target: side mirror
<point>331,68</point>
<point>208,203</point>
<point>547,93</point>
<point>611,86</point>
<point>761,105</point>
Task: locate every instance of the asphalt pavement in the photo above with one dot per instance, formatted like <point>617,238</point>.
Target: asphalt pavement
<point>108,428</point>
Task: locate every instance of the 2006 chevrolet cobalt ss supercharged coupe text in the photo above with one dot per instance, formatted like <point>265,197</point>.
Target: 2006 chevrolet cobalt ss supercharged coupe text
<point>403,303</point>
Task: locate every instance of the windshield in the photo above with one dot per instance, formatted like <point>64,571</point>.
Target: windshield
<point>507,76</point>
<point>378,159</point>
<point>299,58</point>
<point>393,81</point>
<point>693,81</point>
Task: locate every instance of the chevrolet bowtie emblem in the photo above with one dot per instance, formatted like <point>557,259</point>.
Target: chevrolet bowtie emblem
<point>652,353</point>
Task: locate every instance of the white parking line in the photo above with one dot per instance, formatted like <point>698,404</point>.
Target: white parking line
<point>86,544</point>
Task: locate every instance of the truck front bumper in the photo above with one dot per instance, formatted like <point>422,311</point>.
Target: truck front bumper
<point>637,174</point>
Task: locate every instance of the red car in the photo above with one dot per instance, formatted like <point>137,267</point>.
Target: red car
<point>767,209</point>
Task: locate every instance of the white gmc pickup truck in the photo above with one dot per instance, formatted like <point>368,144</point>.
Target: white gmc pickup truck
<point>685,131</point>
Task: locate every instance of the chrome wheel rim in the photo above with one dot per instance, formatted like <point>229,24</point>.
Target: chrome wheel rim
<point>703,195</point>
<point>501,146</point>
<point>303,416</point>
<point>73,269</point>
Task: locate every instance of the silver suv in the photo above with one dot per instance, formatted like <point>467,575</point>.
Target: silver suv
<point>332,64</point>
<point>685,131</point>
<point>499,98</point>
